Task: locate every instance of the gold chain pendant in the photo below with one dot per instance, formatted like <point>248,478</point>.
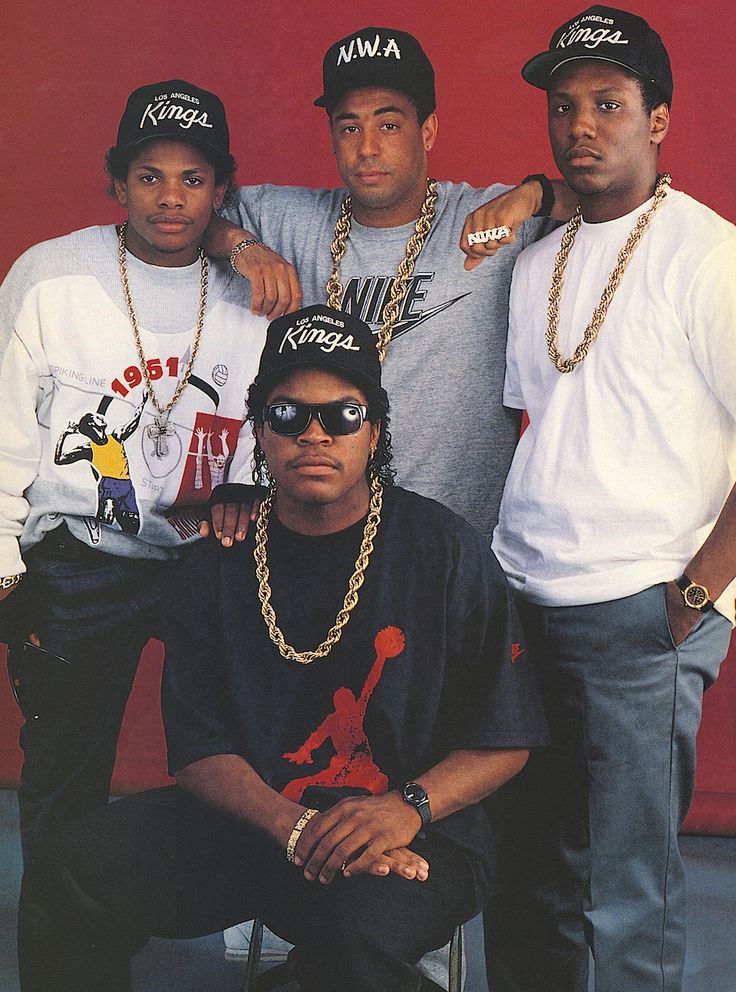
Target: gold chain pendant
<point>599,314</point>
<point>160,429</point>
<point>400,284</point>
<point>354,584</point>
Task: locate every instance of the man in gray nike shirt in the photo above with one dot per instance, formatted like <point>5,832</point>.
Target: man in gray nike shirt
<point>444,366</point>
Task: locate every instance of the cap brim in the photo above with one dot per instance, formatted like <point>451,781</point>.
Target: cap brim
<point>266,379</point>
<point>539,70</point>
<point>372,76</point>
<point>178,135</point>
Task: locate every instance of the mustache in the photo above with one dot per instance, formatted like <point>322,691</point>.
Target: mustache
<point>169,218</point>
<point>372,166</point>
<point>311,459</point>
<point>580,150</point>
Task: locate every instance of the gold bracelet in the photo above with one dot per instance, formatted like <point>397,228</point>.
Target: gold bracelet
<point>241,246</point>
<point>8,581</point>
<point>297,832</point>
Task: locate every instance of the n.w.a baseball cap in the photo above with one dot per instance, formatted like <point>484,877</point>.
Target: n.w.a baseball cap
<point>323,337</point>
<point>174,109</point>
<point>610,35</point>
<point>378,57</point>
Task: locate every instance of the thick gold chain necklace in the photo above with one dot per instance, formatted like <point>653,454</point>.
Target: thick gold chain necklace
<point>351,598</point>
<point>599,314</point>
<point>401,283</point>
<point>160,429</point>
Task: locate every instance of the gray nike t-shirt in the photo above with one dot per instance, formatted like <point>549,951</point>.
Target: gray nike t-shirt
<point>444,371</point>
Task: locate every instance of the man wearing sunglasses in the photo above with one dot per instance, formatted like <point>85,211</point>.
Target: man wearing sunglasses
<point>339,695</point>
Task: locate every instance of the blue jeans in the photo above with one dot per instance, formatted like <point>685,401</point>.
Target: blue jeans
<point>588,853</point>
<point>94,614</point>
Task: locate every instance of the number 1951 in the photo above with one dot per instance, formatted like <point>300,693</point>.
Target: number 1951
<point>134,377</point>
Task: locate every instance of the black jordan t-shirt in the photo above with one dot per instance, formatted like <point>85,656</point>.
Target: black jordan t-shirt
<point>432,660</point>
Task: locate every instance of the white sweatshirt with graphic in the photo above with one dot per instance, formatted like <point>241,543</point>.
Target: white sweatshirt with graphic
<point>77,433</point>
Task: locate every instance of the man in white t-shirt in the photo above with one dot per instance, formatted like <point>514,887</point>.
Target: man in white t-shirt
<point>617,526</point>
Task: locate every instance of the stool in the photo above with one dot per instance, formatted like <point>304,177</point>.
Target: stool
<point>283,974</point>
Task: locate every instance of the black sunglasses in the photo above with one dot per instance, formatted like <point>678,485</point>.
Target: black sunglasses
<point>292,419</point>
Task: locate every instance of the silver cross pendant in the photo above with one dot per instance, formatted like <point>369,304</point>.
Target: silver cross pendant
<point>159,430</point>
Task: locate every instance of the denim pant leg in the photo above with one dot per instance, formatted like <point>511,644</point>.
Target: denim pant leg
<point>366,934</point>
<point>93,615</point>
<point>618,689</point>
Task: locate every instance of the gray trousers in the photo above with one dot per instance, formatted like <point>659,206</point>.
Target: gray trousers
<point>588,832</point>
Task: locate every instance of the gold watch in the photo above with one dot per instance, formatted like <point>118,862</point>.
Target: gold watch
<point>694,595</point>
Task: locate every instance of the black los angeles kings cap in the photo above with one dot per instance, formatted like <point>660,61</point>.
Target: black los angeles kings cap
<point>610,35</point>
<point>174,109</point>
<point>322,337</point>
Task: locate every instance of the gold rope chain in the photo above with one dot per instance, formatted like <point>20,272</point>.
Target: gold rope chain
<point>599,314</point>
<point>351,598</point>
<point>400,284</point>
<point>162,411</point>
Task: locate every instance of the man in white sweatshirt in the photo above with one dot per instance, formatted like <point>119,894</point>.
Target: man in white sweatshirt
<point>120,351</point>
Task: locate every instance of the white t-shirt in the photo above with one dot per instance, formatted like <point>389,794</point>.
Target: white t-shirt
<point>628,459</point>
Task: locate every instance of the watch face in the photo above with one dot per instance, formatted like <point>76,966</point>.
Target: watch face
<point>414,793</point>
<point>696,596</point>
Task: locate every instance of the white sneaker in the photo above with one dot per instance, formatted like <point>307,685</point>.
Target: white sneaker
<point>275,950</point>
<point>237,944</point>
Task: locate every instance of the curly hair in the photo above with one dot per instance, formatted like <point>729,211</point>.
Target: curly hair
<point>379,466</point>
<point>117,164</point>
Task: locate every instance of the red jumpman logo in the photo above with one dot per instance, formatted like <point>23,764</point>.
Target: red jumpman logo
<point>352,764</point>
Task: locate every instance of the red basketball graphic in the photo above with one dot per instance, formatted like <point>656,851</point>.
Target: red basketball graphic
<point>389,642</point>
<point>352,764</point>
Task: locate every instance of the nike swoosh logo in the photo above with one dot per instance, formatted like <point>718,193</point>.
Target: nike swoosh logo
<point>406,325</point>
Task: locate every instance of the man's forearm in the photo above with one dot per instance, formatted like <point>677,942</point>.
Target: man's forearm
<point>504,214</point>
<point>275,287</point>
<point>565,201</point>
<point>714,565</point>
<point>362,829</point>
<point>221,236</point>
<point>466,777</point>
<point>229,783</point>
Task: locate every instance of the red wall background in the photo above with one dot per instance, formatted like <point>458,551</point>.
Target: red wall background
<point>66,70</point>
<point>68,67</point>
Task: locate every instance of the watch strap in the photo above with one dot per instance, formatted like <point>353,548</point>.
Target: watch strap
<point>420,804</point>
<point>548,193</point>
<point>695,595</point>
